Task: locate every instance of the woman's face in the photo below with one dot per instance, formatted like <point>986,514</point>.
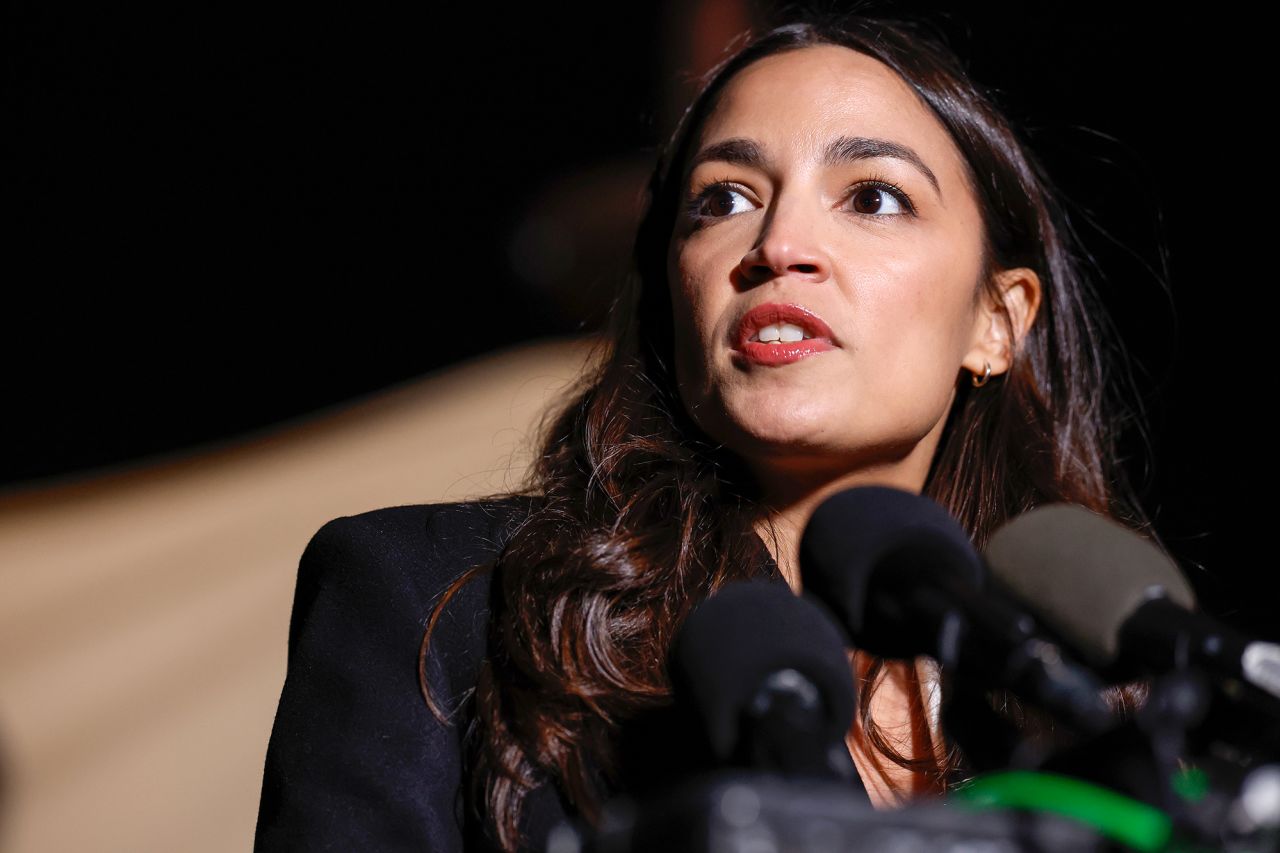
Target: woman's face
<point>792,201</point>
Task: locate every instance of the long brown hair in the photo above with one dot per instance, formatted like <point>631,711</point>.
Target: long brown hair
<point>643,515</point>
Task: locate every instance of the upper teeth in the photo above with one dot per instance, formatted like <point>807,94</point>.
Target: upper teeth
<point>784,332</point>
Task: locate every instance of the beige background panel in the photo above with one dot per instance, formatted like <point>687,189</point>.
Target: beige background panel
<point>145,611</point>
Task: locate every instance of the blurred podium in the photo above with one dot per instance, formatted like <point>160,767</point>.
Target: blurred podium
<point>145,610</point>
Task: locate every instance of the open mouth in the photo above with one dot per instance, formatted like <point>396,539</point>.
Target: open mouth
<point>776,324</point>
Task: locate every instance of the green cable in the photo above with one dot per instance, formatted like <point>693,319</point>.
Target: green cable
<point>1126,820</point>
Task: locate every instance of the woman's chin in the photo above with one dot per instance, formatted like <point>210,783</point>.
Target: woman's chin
<point>775,433</point>
<point>786,419</point>
<point>755,425</point>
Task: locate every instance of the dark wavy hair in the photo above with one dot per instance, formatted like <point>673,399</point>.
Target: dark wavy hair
<point>642,515</point>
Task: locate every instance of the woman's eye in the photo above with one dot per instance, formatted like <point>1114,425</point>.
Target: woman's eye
<point>877,199</point>
<point>723,201</point>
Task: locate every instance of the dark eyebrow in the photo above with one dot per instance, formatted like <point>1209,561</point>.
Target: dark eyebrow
<point>738,151</point>
<point>846,149</point>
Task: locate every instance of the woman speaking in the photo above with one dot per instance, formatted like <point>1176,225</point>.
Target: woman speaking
<point>850,271</point>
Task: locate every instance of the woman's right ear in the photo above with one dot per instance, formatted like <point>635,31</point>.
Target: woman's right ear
<point>1012,313</point>
<point>1020,293</point>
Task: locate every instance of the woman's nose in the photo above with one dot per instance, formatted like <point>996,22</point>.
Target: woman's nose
<point>790,245</point>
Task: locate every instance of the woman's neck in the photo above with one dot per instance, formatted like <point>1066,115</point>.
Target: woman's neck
<point>902,700</point>
<point>793,504</point>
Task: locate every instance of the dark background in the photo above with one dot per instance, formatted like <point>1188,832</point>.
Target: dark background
<point>218,218</point>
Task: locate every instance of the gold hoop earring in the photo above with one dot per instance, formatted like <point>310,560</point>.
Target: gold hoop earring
<point>986,376</point>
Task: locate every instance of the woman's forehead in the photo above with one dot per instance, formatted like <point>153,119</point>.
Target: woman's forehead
<point>799,101</point>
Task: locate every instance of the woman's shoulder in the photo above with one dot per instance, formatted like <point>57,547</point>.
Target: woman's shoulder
<point>479,515</point>
<point>420,548</point>
<point>479,519</point>
<point>386,568</point>
<point>356,760</point>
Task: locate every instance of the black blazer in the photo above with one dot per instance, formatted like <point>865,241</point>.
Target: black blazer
<point>356,761</point>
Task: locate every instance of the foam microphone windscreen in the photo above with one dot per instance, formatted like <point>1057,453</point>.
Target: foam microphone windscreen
<point>1083,574</point>
<point>870,533</point>
<point>742,634</point>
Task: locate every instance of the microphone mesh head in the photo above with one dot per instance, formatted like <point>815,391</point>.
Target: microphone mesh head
<point>859,537</point>
<point>1083,574</point>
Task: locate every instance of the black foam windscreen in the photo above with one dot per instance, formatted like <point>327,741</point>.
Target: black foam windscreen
<point>1083,574</point>
<point>743,634</point>
<point>886,536</point>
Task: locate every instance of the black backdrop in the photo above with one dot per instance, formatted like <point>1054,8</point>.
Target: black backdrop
<point>220,218</point>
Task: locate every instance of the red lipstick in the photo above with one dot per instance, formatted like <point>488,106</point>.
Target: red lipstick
<point>771,354</point>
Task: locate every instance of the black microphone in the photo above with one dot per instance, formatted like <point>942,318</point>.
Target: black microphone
<point>767,676</point>
<point>1119,599</point>
<point>902,575</point>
